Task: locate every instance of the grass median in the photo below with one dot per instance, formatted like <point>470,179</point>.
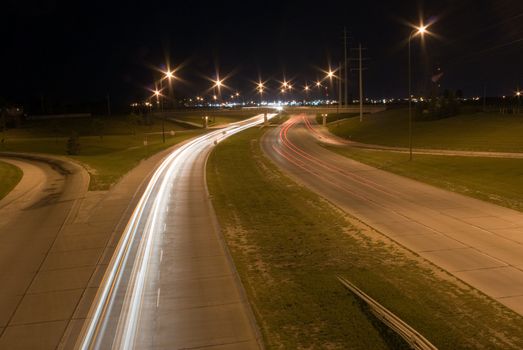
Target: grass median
<point>468,131</point>
<point>10,175</point>
<point>106,156</point>
<point>496,180</point>
<point>289,245</point>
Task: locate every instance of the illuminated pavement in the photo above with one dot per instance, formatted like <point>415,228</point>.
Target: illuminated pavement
<point>171,283</point>
<point>479,242</point>
<point>38,293</point>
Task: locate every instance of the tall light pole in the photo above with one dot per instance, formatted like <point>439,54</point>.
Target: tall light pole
<point>306,89</point>
<point>331,75</point>
<point>169,75</point>
<point>361,84</point>
<point>260,87</point>
<point>518,95</point>
<point>158,94</point>
<point>421,30</point>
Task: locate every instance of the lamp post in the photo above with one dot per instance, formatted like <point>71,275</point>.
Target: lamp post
<point>331,75</point>
<point>421,30</point>
<point>518,95</point>
<point>260,87</point>
<point>306,89</point>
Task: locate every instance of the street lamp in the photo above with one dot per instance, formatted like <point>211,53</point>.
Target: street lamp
<point>331,75</point>
<point>518,95</point>
<point>260,88</point>
<point>306,88</point>
<point>169,75</point>
<point>421,30</point>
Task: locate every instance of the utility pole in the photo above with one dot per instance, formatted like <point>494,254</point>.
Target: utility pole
<point>360,69</point>
<point>339,91</point>
<point>345,67</point>
<point>361,85</point>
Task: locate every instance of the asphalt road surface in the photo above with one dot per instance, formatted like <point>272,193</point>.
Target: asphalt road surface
<point>478,242</point>
<point>171,283</point>
<point>32,218</point>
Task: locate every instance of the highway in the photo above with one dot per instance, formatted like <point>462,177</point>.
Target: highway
<point>170,283</point>
<point>478,242</point>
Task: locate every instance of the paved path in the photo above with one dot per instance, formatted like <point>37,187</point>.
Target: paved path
<point>22,195</point>
<point>35,296</point>
<point>478,242</point>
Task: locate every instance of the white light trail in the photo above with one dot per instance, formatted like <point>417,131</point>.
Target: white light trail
<point>148,211</point>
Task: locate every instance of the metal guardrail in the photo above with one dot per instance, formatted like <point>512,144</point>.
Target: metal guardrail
<point>409,334</point>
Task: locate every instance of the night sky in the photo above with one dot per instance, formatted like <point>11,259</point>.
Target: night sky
<point>79,51</point>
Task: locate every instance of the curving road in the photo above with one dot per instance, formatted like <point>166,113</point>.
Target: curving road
<point>478,242</point>
<point>33,306</point>
<point>170,283</point>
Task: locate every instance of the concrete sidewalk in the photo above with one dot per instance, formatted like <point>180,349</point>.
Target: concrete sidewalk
<point>33,297</point>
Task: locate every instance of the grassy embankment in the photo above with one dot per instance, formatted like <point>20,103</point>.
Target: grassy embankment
<point>496,180</point>
<point>10,175</point>
<point>289,245</point>
<point>475,131</point>
<point>216,117</point>
<point>106,157</point>
<point>332,117</point>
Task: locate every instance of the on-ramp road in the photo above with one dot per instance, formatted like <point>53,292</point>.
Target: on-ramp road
<point>479,242</point>
<point>170,283</point>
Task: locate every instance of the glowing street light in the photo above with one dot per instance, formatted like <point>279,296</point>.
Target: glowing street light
<point>218,83</point>
<point>169,74</point>
<point>421,30</point>
<point>518,95</point>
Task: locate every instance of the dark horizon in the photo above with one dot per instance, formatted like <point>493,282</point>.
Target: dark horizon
<point>76,54</point>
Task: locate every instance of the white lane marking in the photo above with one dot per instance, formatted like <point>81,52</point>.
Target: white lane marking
<point>158,298</point>
<point>161,255</point>
<point>162,177</point>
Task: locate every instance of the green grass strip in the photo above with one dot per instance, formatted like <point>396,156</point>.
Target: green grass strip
<point>289,245</point>
<point>10,175</point>
<point>496,180</point>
